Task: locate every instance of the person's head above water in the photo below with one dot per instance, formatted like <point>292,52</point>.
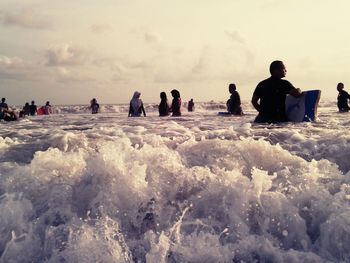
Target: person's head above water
<point>277,69</point>
<point>175,93</point>
<point>136,95</point>
<point>340,86</point>
<point>232,87</point>
<point>163,95</point>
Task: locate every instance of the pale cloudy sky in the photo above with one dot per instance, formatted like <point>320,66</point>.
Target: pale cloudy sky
<point>70,51</point>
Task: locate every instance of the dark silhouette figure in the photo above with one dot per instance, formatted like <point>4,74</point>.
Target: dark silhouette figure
<point>176,103</point>
<point>25,111</point>
<point>3,104</point>
<point>6,114</point>
<point>33,108</point>
<point>234,103</point>
<point>190,105</point>
<point>270,95</point>
<point>136,106</point>
<point>343,98</point>
<point>47,108</point>
<point>94,106</point>
<point>163,107</point>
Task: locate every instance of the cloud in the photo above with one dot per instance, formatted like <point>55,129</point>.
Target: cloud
<point>101,29</point>
<point>26,18</point>
<point>14,68</point>
<point>235,37</point>
<point>64,75</point>
<point>152,38</point>
<point>65,55</point>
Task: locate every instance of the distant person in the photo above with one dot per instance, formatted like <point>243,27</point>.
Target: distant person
<point>7,114</point>
<point>176,103</point>
<point>343,98</point>
<point>234,102</point>
<point>163,107</point>
<point>3,104</point>
<point>136,106</point>
<point>25,111</point>
<point>33,108</point>
<point>190,105</point>
<point>47,108</point>
<point>270,95</point>
<point>94,106</point>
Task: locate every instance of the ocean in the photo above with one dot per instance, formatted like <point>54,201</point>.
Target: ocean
<point>77,187</point>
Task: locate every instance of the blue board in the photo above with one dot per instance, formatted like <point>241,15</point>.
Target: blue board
<point>303,108</point>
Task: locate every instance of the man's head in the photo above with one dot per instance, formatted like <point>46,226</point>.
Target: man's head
<point>340,86</point>
<point>3,100</point>
<point>277,69</point>
<point>232,87</point>
<point>33,102</point>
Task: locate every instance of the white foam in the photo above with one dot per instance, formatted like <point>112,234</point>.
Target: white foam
<point>199,188</point>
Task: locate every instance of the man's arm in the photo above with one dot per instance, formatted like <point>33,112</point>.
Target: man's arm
<point>296,93</point>
<point>255,103</point>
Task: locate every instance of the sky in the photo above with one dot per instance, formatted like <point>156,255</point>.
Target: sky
<point>68,52</point>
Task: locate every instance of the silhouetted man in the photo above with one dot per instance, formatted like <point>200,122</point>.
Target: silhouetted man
<point>343,98</point>
<point>33,108</point>
<point>269,97</point>
<point>3,104</point>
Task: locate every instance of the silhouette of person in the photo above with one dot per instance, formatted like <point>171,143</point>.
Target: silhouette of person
<point>234,103</point>
<point>270,95</point>
<point>25,111</point>
<point>47,108</point>
<point>94,106</point>
<point>7,114</point>
<point>136,106</point>
<point>3,104</point>
<point>190,105</point>
<point>343,98</point>
<point>33,108</point>
<point>163,107</point>
<point>176,103</point>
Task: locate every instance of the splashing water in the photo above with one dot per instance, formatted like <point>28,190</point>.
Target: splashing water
<point>198,188</point>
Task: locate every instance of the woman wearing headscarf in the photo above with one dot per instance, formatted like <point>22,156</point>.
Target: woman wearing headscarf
<point>136,106</point>
<point>163,107</point>
<point>176,104</point>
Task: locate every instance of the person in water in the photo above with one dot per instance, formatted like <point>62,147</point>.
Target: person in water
<point>3,104</point>
<point>270,95</point>
<point>136,106</point>
<point>343,98</point>
<point>33,108</point>
<point>176,103</point>
<point>94,106</point>
<point>163,107</point>
<point>7,114</point>
<point>47,108</point>
<point>234,102</point>
<point>190,105</point>
<point>25,111</point>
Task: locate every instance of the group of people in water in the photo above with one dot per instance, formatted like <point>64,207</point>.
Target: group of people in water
<point>268,99</point>
<point>136,107</point>
<point>8,114</point>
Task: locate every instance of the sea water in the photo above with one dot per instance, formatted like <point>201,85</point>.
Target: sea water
<point>77,187</point>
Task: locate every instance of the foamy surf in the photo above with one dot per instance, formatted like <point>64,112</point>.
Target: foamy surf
<point>199,188</point>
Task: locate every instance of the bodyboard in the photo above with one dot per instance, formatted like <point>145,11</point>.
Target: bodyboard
<point>41,111</point>
<point>303,108</point>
